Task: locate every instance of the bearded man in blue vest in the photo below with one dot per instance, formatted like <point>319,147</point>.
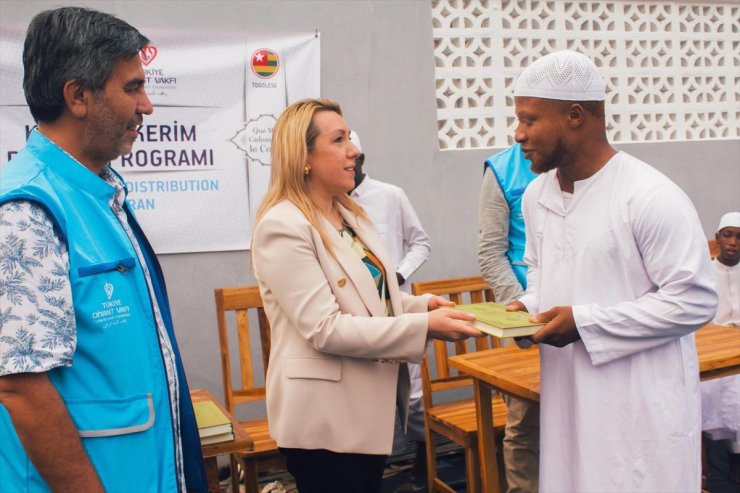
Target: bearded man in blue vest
<point>500,257</point>
<point>93,396</point>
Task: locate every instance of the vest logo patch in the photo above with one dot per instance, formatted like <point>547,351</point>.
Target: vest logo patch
<point>111,312</point>
<point>108,290</point>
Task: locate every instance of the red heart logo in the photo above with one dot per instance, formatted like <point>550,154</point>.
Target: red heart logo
<point>148,54</point>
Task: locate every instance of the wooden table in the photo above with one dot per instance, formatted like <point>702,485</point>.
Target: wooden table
<point>516,372</point>
<point>241,442</point>
<point>719,351</point>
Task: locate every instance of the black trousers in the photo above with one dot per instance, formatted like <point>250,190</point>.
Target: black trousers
<point>324,471</point>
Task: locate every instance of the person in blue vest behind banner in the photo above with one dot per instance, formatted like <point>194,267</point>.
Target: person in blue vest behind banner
<point>500,257</point>
<point>93,395</point>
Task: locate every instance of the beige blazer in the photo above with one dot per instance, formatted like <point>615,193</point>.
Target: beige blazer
<point>326,388</point>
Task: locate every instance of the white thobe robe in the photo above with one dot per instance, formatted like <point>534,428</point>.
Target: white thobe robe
<point>728,289</point>
<point>720,397</point>
<point>403,236</point>
<point>620,409</point>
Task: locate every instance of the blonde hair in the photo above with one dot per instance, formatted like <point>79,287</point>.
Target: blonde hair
<point>293,138</point>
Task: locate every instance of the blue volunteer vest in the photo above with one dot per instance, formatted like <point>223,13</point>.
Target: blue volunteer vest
<point>116,390</point>
<point>513,174</point>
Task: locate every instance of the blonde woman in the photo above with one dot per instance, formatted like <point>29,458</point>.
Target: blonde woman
<point>341,328</point>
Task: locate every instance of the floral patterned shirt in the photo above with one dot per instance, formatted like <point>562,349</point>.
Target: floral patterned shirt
<point>37,321</point>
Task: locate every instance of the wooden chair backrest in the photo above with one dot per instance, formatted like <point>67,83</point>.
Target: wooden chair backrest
<point>240,300</point>
<point>713,248</point>
<point>473,289</point>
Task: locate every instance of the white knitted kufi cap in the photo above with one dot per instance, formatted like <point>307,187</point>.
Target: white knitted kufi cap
<point>355,139</point>
<point>565,75</point>
<point>731,219</point>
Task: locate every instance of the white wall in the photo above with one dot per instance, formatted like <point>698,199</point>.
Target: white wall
<point>377,61</point>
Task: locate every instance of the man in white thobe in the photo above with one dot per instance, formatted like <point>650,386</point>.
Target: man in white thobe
<point>395,220</point>
<point>619,270</point>
<point>720,397</point>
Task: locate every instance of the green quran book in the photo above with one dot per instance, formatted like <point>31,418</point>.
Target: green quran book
<point>212,423</point>
<point>492,318</point>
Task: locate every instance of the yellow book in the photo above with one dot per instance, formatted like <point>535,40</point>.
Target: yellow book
<point>492,318</point>
<point>211,420</point>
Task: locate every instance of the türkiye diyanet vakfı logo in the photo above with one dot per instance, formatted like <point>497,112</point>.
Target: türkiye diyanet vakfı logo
<point>148,54</point>
<point>112,311</point>
<point>108,287</point>
<point>157,82</point>
<point>255,137</point>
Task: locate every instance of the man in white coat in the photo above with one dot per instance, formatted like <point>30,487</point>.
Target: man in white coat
<point>394,218</point>
<point>407,243</point>
<point>618,268</point>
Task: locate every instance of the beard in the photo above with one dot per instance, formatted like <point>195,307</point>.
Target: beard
<point>555,159</point>
<point>106,137</point>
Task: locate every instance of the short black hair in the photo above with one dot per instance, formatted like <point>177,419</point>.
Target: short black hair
<point>72,43</point>
<point>596,108</point>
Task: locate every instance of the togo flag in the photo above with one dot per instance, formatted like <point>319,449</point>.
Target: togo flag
<point>265,63</point>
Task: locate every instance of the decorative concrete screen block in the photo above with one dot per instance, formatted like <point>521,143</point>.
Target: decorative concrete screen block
<point>672,69</point>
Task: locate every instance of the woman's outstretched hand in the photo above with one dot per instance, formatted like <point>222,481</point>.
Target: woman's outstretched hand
<point>449,325</point>
<point>438,302</point>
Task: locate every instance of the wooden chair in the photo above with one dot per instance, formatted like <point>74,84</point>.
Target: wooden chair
<point>240,301</point>
<point>455,420</point>
<point>713,248</point>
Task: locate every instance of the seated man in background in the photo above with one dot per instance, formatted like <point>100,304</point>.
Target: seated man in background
<point>408,245</point>
<point>720,398</point>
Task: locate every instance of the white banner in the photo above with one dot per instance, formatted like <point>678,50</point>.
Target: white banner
<point>201,163</point>
<point>281,70</point>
